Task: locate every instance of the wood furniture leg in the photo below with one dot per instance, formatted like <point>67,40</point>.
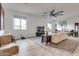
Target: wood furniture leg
<point>42,39</point>
<point>46,40</point>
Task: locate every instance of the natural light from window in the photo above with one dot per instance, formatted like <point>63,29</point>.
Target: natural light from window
<point>49,25</point>
<point>23,24</point>
<point>19,24</point>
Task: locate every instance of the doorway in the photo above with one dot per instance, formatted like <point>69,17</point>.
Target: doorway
<point>76,29</point>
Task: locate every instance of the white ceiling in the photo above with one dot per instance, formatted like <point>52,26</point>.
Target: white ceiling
<point>38,8</point>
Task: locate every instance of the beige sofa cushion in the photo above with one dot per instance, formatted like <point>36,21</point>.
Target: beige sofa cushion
<point>58,37</point>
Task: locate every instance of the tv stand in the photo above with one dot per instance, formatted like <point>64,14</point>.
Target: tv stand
<point>40,31</point>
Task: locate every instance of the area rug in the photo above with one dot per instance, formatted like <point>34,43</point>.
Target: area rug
<point>67,45</point>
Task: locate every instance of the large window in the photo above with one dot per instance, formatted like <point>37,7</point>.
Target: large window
<point>23,24</point>
<point>19,23</point>
<point>49,25</point>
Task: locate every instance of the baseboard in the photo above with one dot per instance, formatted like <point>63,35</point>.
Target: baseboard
<point>31,37</point>
<point>26,38</point>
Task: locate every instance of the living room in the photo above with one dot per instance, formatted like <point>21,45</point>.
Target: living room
<point>24,22</point>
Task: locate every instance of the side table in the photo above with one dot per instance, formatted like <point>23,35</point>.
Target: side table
<point>46,39</point>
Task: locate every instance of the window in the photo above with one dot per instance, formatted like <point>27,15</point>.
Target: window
<point>16,23</point>
<point>49,25</point>
<point>23,24</point>
<point>19,23</point>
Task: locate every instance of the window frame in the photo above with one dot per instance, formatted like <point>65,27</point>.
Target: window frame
<point>20,18</point>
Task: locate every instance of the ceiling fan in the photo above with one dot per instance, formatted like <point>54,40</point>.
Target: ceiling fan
<point>54,14</point>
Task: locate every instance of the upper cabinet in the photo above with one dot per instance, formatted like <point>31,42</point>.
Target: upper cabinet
<point>1,17</point>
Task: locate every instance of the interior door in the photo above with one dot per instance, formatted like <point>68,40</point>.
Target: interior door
<point>1,17</point>
<point>76,29</point>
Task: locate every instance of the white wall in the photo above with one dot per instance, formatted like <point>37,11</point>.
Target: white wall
<point>71,20</point>
<point>32,23</point>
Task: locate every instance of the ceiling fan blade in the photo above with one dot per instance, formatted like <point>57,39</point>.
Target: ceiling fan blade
<point>61,12</point>
<point>56,15</point>
<point>51,13</point>
<point>58,12</point>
